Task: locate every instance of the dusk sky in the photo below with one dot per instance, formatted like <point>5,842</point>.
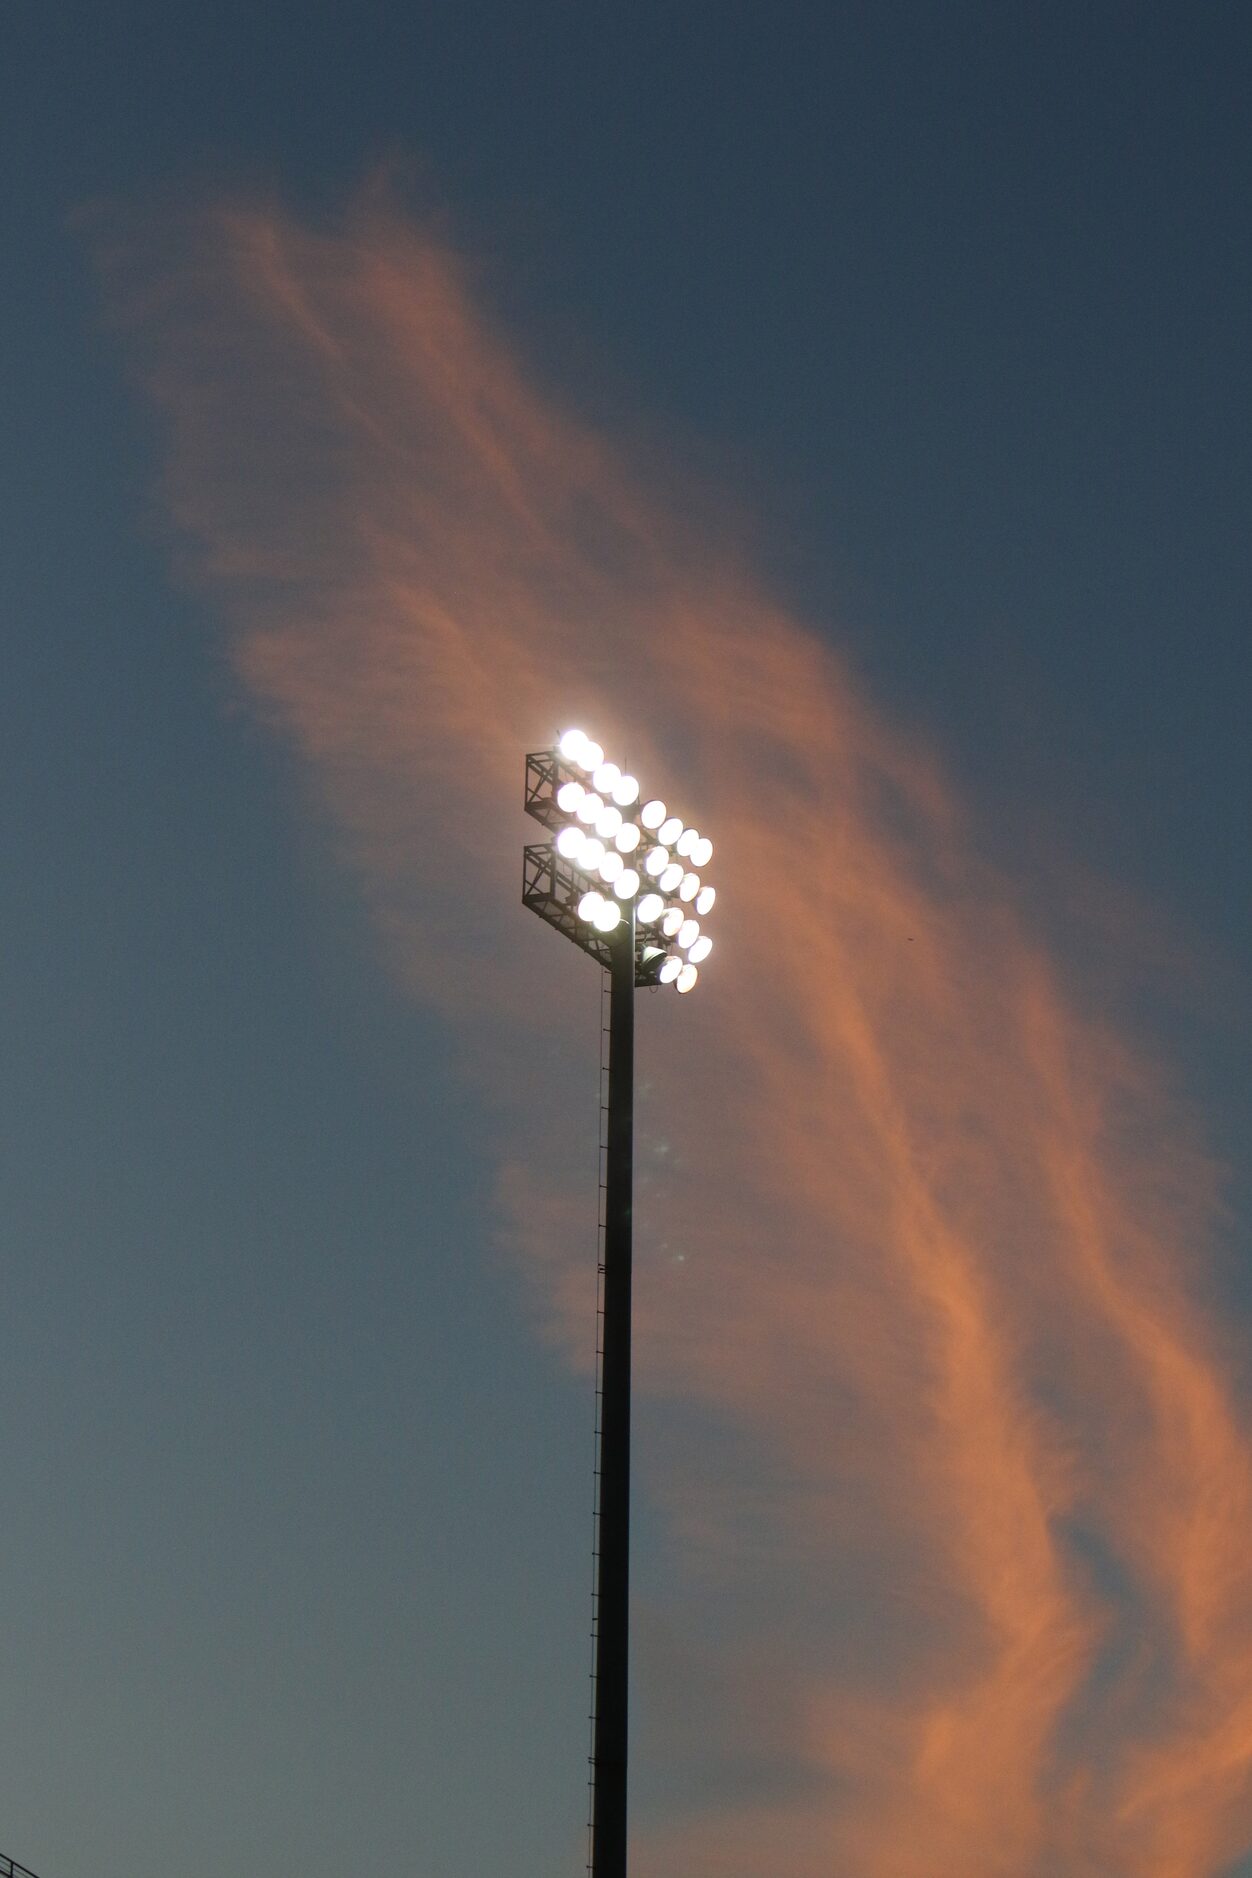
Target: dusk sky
<point>845,413</point>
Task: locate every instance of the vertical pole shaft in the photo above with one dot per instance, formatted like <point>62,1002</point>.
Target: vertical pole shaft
<point>608,1835</point>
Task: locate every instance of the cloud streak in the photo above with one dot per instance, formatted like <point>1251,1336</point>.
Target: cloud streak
<point>957,1485</point>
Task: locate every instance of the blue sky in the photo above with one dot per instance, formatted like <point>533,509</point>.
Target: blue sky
<point>941,314</point>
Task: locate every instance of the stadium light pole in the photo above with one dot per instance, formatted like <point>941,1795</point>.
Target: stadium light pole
<point>621,882</point>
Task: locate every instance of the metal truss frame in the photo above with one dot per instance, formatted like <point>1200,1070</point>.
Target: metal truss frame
<point>552,887</point>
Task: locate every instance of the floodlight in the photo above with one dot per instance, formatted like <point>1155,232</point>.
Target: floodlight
<point>603,834</point>
<point>587,879</point>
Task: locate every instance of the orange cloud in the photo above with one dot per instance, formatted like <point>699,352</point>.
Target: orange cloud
<point>958,1490</point>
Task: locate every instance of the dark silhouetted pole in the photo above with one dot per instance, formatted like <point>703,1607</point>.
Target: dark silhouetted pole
<point>608,1833</point>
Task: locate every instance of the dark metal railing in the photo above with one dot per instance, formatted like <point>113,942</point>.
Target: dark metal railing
<point>8,1869</point>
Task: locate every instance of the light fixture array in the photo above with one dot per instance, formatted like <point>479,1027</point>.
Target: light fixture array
<point>624,853</point>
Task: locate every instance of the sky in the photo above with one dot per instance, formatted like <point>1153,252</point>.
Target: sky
<point>844,414</point>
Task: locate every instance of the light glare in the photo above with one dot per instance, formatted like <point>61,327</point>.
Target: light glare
<point>597,839</point>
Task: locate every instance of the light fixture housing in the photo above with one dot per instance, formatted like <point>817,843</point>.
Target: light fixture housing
<point>602,866</point>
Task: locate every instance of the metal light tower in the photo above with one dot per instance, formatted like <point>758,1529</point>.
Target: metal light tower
<point>621,882</point>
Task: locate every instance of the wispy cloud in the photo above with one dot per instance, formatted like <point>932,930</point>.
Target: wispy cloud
<point>959,1492</point>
